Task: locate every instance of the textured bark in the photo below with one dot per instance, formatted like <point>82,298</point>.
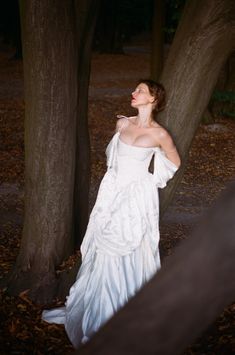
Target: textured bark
<point>86,14</point>
<point>203,41</point>
<point>157,55</point>
<point>192,288</point>
<point>50,116</point>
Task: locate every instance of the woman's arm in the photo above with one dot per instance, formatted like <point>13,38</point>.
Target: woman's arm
<point>168,146</point>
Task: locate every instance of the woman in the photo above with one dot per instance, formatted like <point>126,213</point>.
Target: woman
<point>120,248</point>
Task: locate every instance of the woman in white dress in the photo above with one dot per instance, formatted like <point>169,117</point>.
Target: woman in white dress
<point>120,248</point>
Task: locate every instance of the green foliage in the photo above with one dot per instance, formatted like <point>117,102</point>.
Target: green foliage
<point>222,103</point>
<point>226,113</point>
<point>224,96</point>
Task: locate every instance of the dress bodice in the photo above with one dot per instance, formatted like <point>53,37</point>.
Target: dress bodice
<point>137,153</point>
<point>130,162</point>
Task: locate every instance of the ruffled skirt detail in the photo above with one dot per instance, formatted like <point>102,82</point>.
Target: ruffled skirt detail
<point>119,255</point>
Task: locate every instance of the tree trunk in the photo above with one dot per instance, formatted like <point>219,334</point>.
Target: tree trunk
<point>180,301</point>
<point>85,26</point>
<point>50,121</point>
<point>202,43</point>
<point>157,55</point>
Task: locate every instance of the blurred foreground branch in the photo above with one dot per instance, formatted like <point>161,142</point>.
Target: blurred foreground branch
<point>190,291</point>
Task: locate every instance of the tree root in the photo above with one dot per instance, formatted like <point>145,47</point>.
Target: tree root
<point>41,285</point>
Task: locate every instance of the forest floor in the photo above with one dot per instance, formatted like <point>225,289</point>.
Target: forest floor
<point>210,167</point>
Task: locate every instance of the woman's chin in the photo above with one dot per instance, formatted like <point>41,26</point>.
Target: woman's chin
<point>133,104</point>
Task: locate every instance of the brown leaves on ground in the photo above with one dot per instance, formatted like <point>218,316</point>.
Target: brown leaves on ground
<point>210,167</point>
<point>12,141</point>
<point>23,331</point>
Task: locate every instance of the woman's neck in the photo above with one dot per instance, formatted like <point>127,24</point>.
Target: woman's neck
<point>144,117</point>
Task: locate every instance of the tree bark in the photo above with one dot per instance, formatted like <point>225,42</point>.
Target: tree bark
<point>86,15</point>
<point>181,300</point>
<point>202,43</point>
<point>157,54</point>
<point>50,121</point>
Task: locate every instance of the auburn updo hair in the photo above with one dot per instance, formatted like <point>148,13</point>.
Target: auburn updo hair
<point>158,92</point>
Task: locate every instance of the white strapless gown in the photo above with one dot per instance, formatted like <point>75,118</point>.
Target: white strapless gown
<point>120,248</point>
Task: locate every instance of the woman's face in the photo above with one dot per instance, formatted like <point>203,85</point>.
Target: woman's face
<point>141,96</point>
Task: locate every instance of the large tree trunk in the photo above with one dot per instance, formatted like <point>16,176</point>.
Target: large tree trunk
<point>85,26</point>
<point>50,116</point>
<point>203,42</point>
<point>189,292</point>
<point>157,54</point>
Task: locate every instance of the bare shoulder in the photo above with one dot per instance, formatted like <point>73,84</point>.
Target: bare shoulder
<point>122,123</point>
<point>160,132</point>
